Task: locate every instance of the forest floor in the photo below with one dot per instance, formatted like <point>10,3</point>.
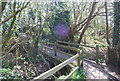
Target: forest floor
<point>113,70</point>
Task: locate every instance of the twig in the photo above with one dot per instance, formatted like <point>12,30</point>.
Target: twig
<point>15,13</point>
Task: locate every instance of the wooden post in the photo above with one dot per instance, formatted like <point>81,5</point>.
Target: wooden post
<point>97,54</point>
<point>78,62</point>
<point>55,48</point>
<point>45,47</point>
<point>69,45</point>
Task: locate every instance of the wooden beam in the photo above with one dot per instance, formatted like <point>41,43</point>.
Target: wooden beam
<point>97,54</point>
<point>90,54</point>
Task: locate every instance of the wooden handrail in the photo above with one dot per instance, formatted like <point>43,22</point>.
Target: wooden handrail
<point>76,44</point>
<point>75,49</point>
<point>67,47</point>
<point>90,54</point>
<point>59,45</point>
<point>59,51</point>
<point>56,68</point>
<point>64,53</point>
<point>78,56</point>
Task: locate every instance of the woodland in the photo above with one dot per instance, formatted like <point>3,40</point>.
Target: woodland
<point>29,30</point>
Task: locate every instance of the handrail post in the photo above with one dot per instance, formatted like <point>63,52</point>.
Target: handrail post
<point>45,47</point>
<point>69,45</point>
<point>78,62</point>
<point>97,54</point>
<point>55,48</point>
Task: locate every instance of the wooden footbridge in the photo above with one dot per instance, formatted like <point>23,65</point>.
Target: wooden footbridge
<point>53,50</point>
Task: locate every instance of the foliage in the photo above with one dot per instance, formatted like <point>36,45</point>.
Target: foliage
<point>62,77</point>
<point>59,16</point>
<point>8,74</point>
<point>78,75</point>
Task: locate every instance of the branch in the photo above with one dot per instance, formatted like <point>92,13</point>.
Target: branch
<point>81,22</point>
<point>15,13</point>
<point>2,6</point>
<point>87,22</point>
<point>81,17</point>
<point>96,14</point>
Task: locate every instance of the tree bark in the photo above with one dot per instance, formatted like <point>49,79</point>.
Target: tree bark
<point>116,29</point>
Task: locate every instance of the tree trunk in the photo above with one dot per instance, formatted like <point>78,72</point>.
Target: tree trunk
<point>71,35</point>
<point>116,29</point>
<point>107,29</point>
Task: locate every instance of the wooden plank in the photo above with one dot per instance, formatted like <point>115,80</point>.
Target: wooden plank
<point>97,54</point>
<point>56,68</point>
<point>90,54</point>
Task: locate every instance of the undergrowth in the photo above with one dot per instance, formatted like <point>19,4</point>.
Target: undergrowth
<point>78,75</point>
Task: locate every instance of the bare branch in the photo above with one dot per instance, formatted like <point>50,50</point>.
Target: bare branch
<point>87,22</point>
<point>15,13</point>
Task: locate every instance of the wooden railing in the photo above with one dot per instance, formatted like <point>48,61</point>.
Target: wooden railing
<point>57,68</point>
<point>75,44</point>
<point>78,57</point>
<point>69,43</point>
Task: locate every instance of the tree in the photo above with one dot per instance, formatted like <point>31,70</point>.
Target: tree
<point>107,29</point>
<point>116,29</point>
<point>87,22</point>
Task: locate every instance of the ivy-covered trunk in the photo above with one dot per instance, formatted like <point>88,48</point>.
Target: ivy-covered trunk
<point>116,29</point>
